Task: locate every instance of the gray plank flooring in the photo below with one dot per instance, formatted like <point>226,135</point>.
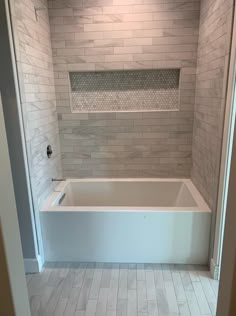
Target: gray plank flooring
<point>97,289</point>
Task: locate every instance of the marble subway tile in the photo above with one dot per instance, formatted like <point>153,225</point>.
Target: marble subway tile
<point>210,97</point>
<point>127,34</point>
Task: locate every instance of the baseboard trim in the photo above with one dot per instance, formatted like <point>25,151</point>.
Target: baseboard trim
<point>33,265</point>
<point>215,270</point>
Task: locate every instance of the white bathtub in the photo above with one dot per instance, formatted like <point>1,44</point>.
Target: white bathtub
<point>126,220</point>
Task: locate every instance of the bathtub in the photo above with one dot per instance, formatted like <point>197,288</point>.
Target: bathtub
<point>126,220</point>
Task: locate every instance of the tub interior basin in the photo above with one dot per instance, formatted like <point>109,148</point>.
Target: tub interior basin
<point>127,194</point>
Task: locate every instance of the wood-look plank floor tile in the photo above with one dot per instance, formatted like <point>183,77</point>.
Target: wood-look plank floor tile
<point>104,289</point>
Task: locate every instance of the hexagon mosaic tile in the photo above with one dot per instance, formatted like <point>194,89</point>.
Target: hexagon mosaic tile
<point>135,90</point>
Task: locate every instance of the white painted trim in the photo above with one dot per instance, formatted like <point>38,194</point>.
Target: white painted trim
<point>10,228</point>
<point>215,270</point>
<point>33,265</point>
<point>225,157</point>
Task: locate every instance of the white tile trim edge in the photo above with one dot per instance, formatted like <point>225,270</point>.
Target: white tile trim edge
<point>215,270</point>
<point>33,265</point>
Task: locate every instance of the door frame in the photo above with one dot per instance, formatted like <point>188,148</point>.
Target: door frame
<point>10,231</point>
<point>226,299</point>
<point>226,153</point>
<point>6,308</point>
<point>12,107</point>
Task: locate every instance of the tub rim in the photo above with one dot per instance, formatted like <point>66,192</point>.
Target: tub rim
<point>49,205</point>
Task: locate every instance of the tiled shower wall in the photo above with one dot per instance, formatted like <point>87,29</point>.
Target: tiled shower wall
<point>211,80</point>
<point>115,35</point>
<point>110,35</point>
<point>38,100</point>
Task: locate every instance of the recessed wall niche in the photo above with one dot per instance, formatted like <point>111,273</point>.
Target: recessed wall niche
<point>125,91</point>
